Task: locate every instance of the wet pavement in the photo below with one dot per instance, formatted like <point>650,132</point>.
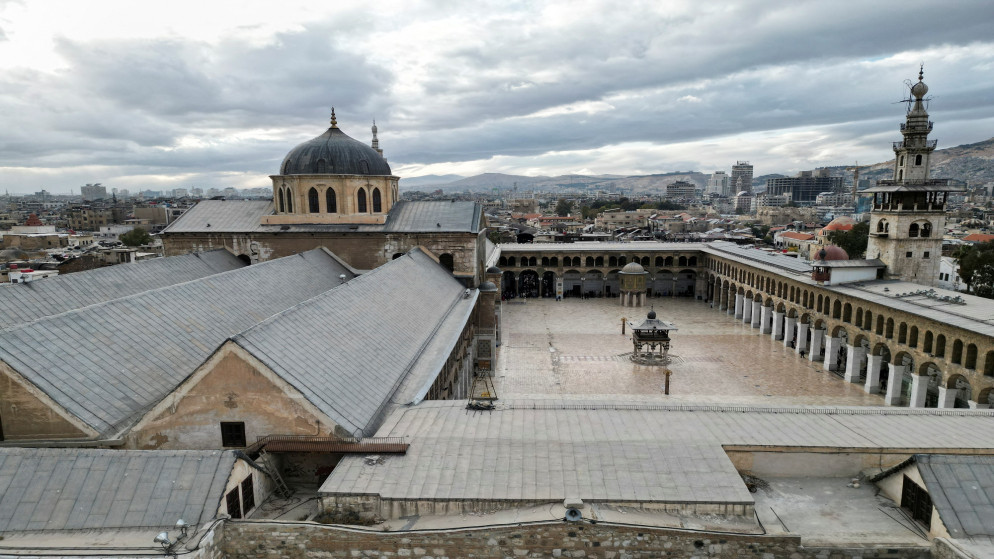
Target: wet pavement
<point>574,349</point>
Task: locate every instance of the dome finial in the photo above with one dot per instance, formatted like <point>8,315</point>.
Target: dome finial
<point>921,72</point>
<point>334,121</point>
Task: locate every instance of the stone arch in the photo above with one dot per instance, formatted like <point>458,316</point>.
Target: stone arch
<point>545,261</point>
<point>528,284</point>
<point>913,230</point>
<point>548,284</point>
<point>692,261</point>
<point>926,230</point>
<point>986,396</point>
<point>246,259</point>
<point>682,261</point>
<point>792,312</point>
<point>532,261</point>
<point>509,285</point>
<point>361,200</point>
<point>599,261</point>
<point>940,346</point>
<point>660,261</point>
<point>447,262</point>
<point>957,355</point>
<point>927,342</point>
<point>644,262</point>
<point>781,307</point>
<point>805,318</point>
<point>882,350</point>
<point>963,388</point>
<point>377,201</point>
<point>589,261</point>
<point>862,341</point>
<point>847,313</point>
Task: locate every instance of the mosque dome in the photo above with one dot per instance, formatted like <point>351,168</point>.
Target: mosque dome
<point>633,268</point>
<point>488,287</point>
<point>334,153</point>
<point>832,252</point>
<point>838,224</point>
<point>493,270</point>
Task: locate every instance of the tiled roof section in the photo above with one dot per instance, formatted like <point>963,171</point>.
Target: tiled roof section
<point>978,238</point>
<point>108,362</point>
<point>348,350</point>
<point>438,216</point>
<point>962,490</point>
<point>797,235</point>
<point>222,216</point>
<point>92,489</point>
<point>25,302</point>
<point>551,449</point>
<point>245,216</point>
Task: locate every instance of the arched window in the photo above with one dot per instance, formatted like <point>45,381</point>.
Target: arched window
<point>926,230</point>
<point>868,321</point>
<point>902,334</point>
<point>880,326</point>
<point>692,261</point>
<point>377,201</point>
<point>927,344</point>
<point>913,230</point>
<point>545,260</point>
<point>890,328</point>
<point>312,201</point>
<point>940,346</point>
<point>289,201</point>
<point>361,201</point>
<point>447,262</point>
<point>957,356</point>
<point>589,261</point>
<point>913,337</point>
<point>281,195</point>
<point>918,159</point>
<point>971,357</point>
<point>331,201</point>
<point>880,226</point>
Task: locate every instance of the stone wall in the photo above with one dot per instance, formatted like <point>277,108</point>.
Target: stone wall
<point>265,540</point>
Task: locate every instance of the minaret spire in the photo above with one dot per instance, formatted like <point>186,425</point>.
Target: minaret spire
<point>376,141</point>
<point>334,121</point>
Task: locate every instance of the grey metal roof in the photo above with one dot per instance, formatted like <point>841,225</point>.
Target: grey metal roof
<point>106,363</point>
<point>45,489</point>
<point>348,350</point>
<point>962,490</point>
<point>25,302</point>
<point>775,261</point>
<point>872,263</point>
<point>531,450</point>
<point>222,216</point>
<point>334,152</point>
<point>245,216</point>
<point>634,246</point>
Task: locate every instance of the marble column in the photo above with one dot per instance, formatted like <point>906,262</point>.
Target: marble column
<point>947,397</point>
<point>723,301</point>
<point>854,362</point>
<point>776,333</point>
<point>765,320</point>
<point>894,381</point>
<point>817,336</point>
<point>872,385</point>
<point>739,300</point>
<point>919,386</point>
<point>788,331</point>
<point>802,337</point>
<point>747,310</point>
<point>757,313</point>
<point>831,353</point>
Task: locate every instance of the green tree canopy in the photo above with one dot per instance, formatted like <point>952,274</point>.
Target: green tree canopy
<point>563,207</point>
<point>976,267</point>
<point>853,241</point>
<point>136,237</point>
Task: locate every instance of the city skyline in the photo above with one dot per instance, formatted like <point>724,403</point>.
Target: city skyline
<point>189,95</point>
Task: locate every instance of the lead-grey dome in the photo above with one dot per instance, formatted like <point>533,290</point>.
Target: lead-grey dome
<point>334,153</point>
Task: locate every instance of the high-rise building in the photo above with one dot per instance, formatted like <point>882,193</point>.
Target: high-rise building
<point>718,184</point>
<point>806,186</point>
<point>92,192</point>
<point>741,177</point>
<point>681,190</point>
<point>908,215</point>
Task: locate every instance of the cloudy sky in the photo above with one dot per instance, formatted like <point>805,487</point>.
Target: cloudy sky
<point>214,93</point>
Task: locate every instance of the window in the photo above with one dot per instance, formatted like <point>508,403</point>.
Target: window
<point>925,254</point>
<point>913,230</point>
<point>233,504</point>
<point>361,196</point>
<point>233,434</point>
<point>248,494</point>
<point>918,159</point>
<point>916,499</point>
<point>331,201</point>
<point>907,254</point>
<point>312,200</point>
<point>377,201</point>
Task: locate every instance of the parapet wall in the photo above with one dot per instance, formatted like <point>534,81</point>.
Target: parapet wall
<point>258,540</point>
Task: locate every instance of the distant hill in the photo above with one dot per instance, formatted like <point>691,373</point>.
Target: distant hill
<point>428,180</point>
<point>973,163</point>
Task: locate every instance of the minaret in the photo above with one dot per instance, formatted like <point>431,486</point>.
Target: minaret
<point>376,141</point>
<point>909,212</point>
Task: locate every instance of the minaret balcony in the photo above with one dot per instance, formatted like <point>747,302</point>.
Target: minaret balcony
<point>928,144</point>
<point>904,126</point>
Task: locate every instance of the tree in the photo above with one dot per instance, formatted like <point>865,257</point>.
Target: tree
<point>136,237</point>
<point>976,267</point>
<point>853,241</point>
<point>563,207</point>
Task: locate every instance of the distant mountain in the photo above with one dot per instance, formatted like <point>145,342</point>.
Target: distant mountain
<point>428,180</point>
<point>504,182</point>
<point>973,163</point>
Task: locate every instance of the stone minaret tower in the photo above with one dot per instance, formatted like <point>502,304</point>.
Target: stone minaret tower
<point>909,211</point>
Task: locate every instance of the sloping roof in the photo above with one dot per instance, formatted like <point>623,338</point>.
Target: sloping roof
<point>45,489</point>
<point>106,363</point>
<point>962,490</point>
<point>978,238</point>
<point>245,216</point>
<point>602,450</point>
<point>25,302</point>
<point>348,349</point>
<point>797,235</point>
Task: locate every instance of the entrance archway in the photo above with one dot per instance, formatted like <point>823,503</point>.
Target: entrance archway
<point>528,284</point>
<point>549,284</point>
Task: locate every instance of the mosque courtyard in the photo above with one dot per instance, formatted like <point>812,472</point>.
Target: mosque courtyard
<point>574,348</point>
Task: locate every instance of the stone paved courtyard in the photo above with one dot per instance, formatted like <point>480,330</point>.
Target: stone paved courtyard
<point>574,349</point>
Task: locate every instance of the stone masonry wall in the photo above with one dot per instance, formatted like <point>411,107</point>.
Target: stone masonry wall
<point>271,540</point>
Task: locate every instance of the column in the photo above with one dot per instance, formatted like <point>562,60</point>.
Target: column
<point>775,333</point>
<point>764,320</point>
<point>872,385</point>
<point>947,397</point>
<point>831,353</point>
<point>974,405</point>
<point>788,331</point>
<point>739,300</point>
<point>919,385</point>
<point>817,336</point>
<point>802,337</point>
<point>894,381</point>
<point>854,362</point>
<point>747,310</point>
<point>722,299</point>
